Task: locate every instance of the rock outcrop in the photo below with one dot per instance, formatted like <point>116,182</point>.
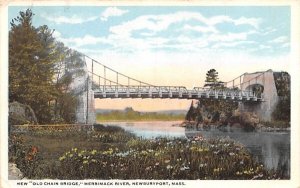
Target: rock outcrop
<point>246,121</point>
<point>20,114</point>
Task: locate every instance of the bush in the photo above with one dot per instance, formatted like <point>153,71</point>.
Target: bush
<point>110,129</point>
<point>26,157</point>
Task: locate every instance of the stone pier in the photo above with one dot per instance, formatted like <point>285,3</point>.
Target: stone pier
<point>266,81</point>
<point>85,112</point>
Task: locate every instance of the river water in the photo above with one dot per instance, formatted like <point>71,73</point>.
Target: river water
<point>270,148</point>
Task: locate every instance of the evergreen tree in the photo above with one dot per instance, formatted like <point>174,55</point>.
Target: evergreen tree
<point>191,114</point>
<point>31,65</point>
<point>212,76</point>
<point>41,71</point>
<point>212,79</point>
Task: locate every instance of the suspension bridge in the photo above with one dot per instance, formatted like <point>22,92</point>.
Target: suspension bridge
<point>119,85</point>
<point>256,92</point>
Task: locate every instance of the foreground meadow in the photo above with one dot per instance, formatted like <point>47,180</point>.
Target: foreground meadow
<point>112,153</point>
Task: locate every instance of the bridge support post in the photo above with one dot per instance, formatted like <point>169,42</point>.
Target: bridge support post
<point>85,112</point>
<point>82,89</point>
<point>127,93</point>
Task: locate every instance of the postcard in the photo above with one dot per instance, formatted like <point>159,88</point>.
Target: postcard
<point>147,94</point>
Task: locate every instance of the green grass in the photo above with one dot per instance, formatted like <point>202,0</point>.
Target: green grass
<point>136,116</point>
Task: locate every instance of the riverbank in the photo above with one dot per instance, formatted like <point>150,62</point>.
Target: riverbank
<point>122,155</point>
<point>139,121</point>
<point>260,127</point>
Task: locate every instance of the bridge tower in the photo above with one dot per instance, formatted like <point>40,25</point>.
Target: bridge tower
<point>81,87</point>
<point>85,112</point>
<point>265,81</point>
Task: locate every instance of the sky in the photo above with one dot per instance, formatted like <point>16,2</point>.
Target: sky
<point>172,45</point>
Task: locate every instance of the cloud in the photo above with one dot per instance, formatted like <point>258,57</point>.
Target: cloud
<point>268,31</point>
<point>143,33</point>
<point>148,22</point>
<point>180,42</point>
<point>254,22</point>
<point>285,45</point>
<point>201,29</point>
<point>74,19</point>
<point>151,23</point>
<point>82,41</point>
<point>162,22</point>
<point>229,37</point>
<point>264,47</point>
<point>110,12</point>
<point>232,44</point>
<point>281,39</point>
<point>248,21</point>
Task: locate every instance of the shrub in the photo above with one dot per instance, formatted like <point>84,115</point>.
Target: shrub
<point>27,159</point>
<point>110,129</point>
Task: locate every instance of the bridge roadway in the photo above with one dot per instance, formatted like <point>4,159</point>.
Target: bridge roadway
<point>173,92</point>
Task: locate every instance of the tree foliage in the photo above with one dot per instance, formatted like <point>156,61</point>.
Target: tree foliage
<point>212,79</point>
<point>210,109</point>
<point>283,109</point>
<point>212,76</point>
<point>31,65</point>
<point>41,70</point>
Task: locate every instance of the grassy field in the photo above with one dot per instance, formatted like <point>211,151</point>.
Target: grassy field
<point>112,153</point>
<point>137,116</point>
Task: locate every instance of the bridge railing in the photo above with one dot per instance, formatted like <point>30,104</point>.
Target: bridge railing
<point>137,91</point>
<point>138,88</point>
<point>228,92</point>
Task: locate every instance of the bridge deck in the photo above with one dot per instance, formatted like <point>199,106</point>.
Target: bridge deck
<point>174,92</point>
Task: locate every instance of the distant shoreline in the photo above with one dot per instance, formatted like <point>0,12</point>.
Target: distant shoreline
<point>140,121</point>
<point>129,114</point>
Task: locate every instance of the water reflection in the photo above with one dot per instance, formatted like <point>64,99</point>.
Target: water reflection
<point>270,148</point>
<point>152,129</point>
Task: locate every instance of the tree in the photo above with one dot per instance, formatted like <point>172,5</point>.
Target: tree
<point>191,114</point>
<point>211,76</point>
<point>41,71</point>
<point>66,107</point>
<point>31,65</point>
<point>282,111</point>
<point>69,66</point>
<point>212,79</point>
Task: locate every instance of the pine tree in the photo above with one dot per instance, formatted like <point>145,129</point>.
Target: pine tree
<point>212,79</point>
<point>211,76</point>
<point>191,114</point>
<point>41,71</point>
<point>31,65</point>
